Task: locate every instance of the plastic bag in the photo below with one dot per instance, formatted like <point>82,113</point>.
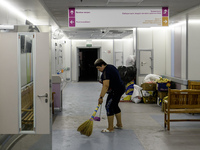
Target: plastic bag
<point>136,97</point>
<point>131,60</point>
<point>151,78</point>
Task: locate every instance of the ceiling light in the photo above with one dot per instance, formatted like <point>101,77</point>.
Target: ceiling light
<point>125,1</point>
<point>12,8</point>
<point>194,21</point>
<point>6,27</point>
<point>177,24</point>
<point>15,11</point>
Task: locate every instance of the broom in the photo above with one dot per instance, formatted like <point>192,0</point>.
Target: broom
<point>87,127</point>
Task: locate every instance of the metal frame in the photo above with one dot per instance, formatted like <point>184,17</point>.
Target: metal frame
<point>19,80</point>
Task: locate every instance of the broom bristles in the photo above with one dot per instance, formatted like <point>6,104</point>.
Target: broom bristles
<point>82,126</point>
<point>86,127</point>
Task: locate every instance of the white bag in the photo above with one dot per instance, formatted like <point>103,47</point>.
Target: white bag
<point>131,60</point>
<point>136,97</point>
<point>151,78</point>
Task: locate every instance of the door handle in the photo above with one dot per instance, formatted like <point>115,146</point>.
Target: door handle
<point>46,95</point>
<point>142,63</point>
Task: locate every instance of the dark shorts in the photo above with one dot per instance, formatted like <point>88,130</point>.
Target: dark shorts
<point>112,102</point>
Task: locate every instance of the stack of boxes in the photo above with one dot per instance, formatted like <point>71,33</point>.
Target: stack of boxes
<point>155,92</point>
<point>149,92</point>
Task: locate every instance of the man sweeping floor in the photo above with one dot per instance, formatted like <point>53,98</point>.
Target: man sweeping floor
<point>111,80</point>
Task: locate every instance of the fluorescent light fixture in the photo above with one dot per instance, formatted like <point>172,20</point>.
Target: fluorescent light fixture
<point>6,27</point>
<point>177,24</point>
<point>125,1</point>
<point>194,21</point>
<point>15,11</point>
<point>79,40</point>
<point>164,27</point>
<point>12,9</point>
<point>101,40</point>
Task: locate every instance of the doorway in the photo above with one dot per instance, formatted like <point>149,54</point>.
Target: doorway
<point>87,57</point>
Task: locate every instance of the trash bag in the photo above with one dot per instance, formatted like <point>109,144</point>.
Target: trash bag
<point>127,74</point>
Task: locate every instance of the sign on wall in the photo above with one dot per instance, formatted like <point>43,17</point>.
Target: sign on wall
<point>118,17</point>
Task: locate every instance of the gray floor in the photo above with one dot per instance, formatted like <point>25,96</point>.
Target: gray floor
<point>143,125</point>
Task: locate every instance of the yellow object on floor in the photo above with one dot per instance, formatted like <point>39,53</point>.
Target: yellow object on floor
<point>128,97</point>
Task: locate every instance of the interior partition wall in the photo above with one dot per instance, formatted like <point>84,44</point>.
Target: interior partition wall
<point>193,48</point>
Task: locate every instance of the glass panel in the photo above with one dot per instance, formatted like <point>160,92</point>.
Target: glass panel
<point>27,98</point>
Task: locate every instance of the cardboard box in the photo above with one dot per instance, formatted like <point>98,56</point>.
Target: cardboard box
<point>149,86</point>
<point>148,93</point>
<point>149,99</point>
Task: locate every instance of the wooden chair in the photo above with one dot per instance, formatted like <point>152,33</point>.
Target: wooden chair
<point>27,105</point>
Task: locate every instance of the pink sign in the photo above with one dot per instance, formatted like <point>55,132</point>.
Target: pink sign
<point>72,19</point>
<point>126,17</point>
<point>164,11</point>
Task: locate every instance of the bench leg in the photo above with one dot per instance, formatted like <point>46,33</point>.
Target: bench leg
<point>165,115</point>
<point>168,121</point>
<point>165,120</point>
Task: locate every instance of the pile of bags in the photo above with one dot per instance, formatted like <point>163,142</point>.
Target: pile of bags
<point>133,91</point>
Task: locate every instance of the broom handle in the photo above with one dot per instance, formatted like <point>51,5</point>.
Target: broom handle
<point>95,111</point>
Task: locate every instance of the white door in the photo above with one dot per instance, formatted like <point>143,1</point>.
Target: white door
<point>24,83</point>
<point>8,84</point>
<point>146,65</point>
<point>42,108</point>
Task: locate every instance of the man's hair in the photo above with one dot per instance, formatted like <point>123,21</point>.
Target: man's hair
<point>99,62</point>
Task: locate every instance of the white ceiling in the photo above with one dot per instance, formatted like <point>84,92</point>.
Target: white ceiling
<point>58,11</point>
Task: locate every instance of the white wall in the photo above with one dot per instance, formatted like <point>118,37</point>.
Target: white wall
<point>63,49</point>
<point>144,39</point>
<point>194,50</point>
<point>183,54</point>
<point>159,50</point>
<point>67,59</point>
<point>158,40</point>
<point>168,52</point>
<point>107,51</point>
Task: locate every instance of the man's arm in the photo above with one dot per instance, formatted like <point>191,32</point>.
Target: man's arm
<point>104,89</point>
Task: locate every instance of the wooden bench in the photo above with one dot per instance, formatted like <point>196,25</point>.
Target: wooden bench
<point>27,105</point>
<point>27,113</point>
<point>181,101</point>
<point>193,85</point>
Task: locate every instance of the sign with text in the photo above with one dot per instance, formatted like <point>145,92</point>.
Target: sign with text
<point>118,17</point>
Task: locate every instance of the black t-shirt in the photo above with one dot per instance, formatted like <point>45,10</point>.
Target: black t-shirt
<point>111,73</point>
